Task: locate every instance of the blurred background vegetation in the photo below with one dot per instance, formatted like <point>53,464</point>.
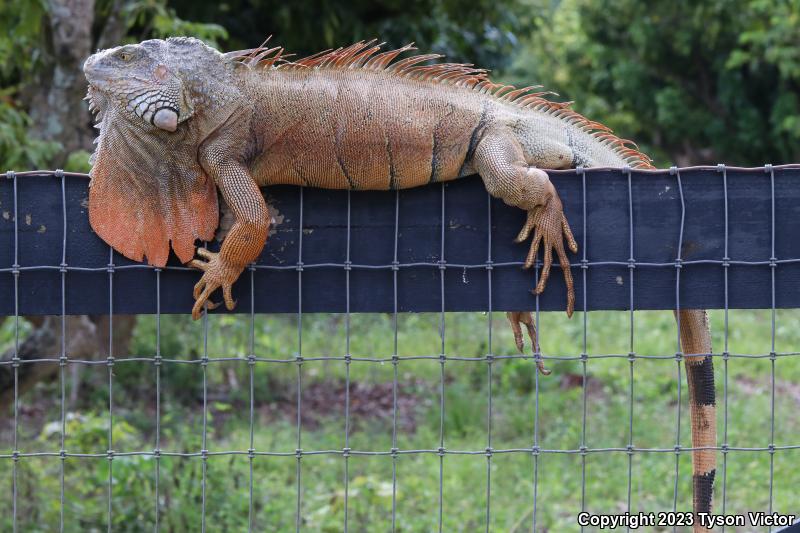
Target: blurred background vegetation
<point>691,82</point>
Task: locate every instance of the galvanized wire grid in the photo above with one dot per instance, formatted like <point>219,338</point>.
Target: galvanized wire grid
<point>535,451</point>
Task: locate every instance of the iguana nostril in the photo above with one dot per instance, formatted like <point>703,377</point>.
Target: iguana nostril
<point>166,119</point>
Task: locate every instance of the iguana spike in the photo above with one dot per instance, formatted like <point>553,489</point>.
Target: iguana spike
<point>262,46</point>
<point>512,96</point>
<point>345,56</point>
<point>309,61</point>
<point>380,61</point>
<point>502,90</point>
<point>244,55</point>
<point>360,59</point>
<point>401,66</point>
<point>263,56</point>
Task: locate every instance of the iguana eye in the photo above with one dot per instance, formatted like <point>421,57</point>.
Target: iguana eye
<point>125,56</point>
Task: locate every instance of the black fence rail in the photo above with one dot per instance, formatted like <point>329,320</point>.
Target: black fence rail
<point>681,237</point>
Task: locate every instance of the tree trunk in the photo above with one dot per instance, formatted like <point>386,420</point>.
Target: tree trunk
<point>55,102</point>
<point>57,90</point>
<point>86,338</point>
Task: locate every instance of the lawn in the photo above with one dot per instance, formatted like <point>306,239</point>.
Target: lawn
<point>501,404</point>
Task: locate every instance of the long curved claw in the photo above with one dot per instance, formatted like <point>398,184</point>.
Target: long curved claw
<point>515,318</point>
<point>216,274</point>
<point>573,245</point>
<point>552,229</point>
<point>530,222</point>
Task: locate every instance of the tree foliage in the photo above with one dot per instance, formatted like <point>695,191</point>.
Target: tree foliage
<point>19,30</point>
<point>695,82</point>
<point>476,31</point>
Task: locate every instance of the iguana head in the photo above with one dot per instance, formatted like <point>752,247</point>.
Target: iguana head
<point>156,102</point>
<point>150,82</point>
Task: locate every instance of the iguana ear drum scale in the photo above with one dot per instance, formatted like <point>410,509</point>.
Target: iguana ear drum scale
<point>179,120</point>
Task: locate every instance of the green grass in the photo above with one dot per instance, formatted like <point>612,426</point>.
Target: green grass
<point>515,389</point>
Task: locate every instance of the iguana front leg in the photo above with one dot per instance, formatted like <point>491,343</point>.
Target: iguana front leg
<point>500,161</point>
<point>247,236</point>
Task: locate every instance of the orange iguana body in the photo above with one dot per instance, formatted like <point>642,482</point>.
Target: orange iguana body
<point>179,120</point>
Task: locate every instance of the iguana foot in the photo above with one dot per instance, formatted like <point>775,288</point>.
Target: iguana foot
<point>524,317</point>
<point>217,273</point>
<point>552,229</point>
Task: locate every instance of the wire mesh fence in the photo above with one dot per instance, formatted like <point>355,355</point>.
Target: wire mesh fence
<point>440,268</point>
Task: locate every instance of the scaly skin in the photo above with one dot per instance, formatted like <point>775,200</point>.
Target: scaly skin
<point>178,118</point>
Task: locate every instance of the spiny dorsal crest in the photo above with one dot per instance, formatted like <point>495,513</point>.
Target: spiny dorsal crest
<point>367,55</point>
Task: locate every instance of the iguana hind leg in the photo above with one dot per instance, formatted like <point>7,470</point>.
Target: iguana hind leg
<point>500,161</point>
<point>696,339</point>
<point>517,320</point>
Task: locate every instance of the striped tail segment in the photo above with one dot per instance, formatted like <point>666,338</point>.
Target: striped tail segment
<point>696,339</point>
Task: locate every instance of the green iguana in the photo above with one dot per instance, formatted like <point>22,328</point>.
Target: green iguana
<point>179,119</point>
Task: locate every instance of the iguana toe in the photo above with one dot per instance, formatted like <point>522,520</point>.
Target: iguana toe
<point>515,318</point>
<point>216,274</point>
